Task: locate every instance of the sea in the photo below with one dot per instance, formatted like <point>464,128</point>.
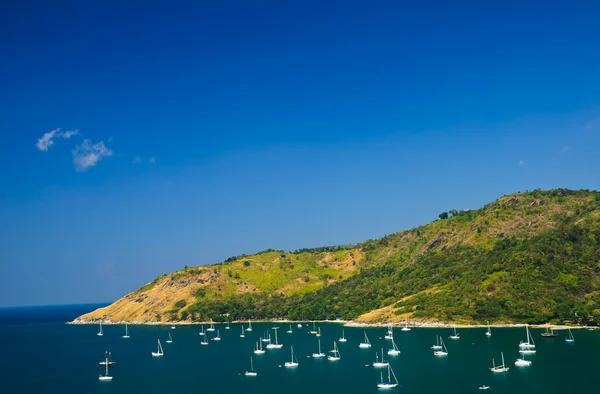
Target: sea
<point>42,354</point>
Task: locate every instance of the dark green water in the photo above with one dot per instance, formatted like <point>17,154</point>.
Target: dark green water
<point>51,357</point>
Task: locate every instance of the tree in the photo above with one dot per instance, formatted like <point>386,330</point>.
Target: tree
<point>443,215</point>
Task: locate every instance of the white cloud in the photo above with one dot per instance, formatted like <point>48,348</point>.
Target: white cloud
<point>566,148</point>
<point>522,163</point>
<point>152,160</point>
<point>46,141</point>
<point>87,155</point>
<point>137,160</point>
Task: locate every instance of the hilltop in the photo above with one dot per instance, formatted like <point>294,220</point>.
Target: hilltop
<point>528,257</point>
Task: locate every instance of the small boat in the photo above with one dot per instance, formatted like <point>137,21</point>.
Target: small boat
<point>290,330</point>
<point>204,341</point>
<point>489,330</point>
<point>570,338</point>
<point>212,326</point>
<point>366,344</point>
<point>484,387</point>
<point>334,354</point>
<point>159,352</point>
<point>227,327</point>
<point>100,333</point>
<point>499,368</point>
<point>275,345</point>
<point>105,377</point>
<point>319,354</point>
<point>394,351</point>
<point>529,343</point>
<point>343,338</point>
<point>107,360</point>
<point>437,345</point>
<point>259,348</point>
<point>293,361</point>
<point>391,381</point>
<point>521,362</point>
<point>170,340</point>
<point>406,327</point>
<point>252,372</point>
<point>390,333</point>
<point>382,363</point>
<point>299,325</point>
<point>314,330</point>
<point>443,351</point>
<point>319,332</point>
<point>549,333</point>
<point>173,327</point>
<point>455,335</point>
<point>243,334</point>
<point>201,330</point>
<point>126,336</point>
<point>249,329</point>
<point>218,337</point>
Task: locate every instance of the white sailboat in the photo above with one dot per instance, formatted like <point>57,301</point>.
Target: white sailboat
<point>290,330</point>
<point>406,327</point>
<point>243,334</point>
<point>319,332</point>
<point>159,352</point>
<point>382,363</point>
<point>202,330</point>
<point>173,327</point>
<point>391,381</point>
<point>126,336</point>
<point>455,335</point>
<point>212,326</point>
<point>366,344</point>
<point>293,360</point>
<point>218,337</point>
<point>227,327</point>
<point>570,339</point>
<point>267,337</point>
<point>170,340</point>
<point>259,348</point>
<point>100,333</point>
<point>275,345</point>
<point>390,333</point>
<point>319,354</point>
<point>334,354</point>
<point>443,351</point>
<point>105,377</point>
<point>489,330</point>
<point>252,372</point>
<point>437,345</point>
<point>343,338</point>
<point>299,325</point>
<point>107,360</point>
<point>314,329</point>
<point>527,347</point>
<point>394,351</point>
<point>521,362</point>
<point>204,341</point>
<point>249,329</point>
<point>499,368</point>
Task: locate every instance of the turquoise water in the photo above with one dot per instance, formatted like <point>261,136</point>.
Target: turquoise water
<point>46,356</point>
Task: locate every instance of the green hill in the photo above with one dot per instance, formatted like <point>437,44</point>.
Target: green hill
<point>528,257</point>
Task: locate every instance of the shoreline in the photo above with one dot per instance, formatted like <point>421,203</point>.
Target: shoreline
<point>345,323</point>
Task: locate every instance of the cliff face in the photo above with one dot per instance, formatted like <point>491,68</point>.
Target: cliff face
<point>530,257</point>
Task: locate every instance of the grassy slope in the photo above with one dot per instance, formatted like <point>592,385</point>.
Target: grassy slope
<point>525,257</point>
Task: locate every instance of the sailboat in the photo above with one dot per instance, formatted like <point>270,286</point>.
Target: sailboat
<point>570,338</point>
<point>394,351</point>
<point>390,333</point>
<point>391,381</point>
<point>443,351</point>
<point>455,335</point>
<point>299,325</point>
<point>319,332</point>
<point>406,327</point>
<point>204,341</point>
<point>107,360</point>
<point>290,330</point>
<point>499,368</point>
<point>319,354</point>
<point>249,329</point>
<point>227,328</point>
<point>275,345</point>
<point>242,335</point>
<point>366,344</point>
<point>100,333</point>
<point>212,326</point>
<point>521,362</point>
<point>159,352</point>
<point>126,336</point>
<point>218,337</point>
<point>489,331</point>
<point>334,354</point>
<point>528,346</point>
<point>173,327</point>
<point>549,333</point>
<point>314,330</point>
<point>259,348</point>
<point>437,345</point>
<point>252,372</point>
<point>382,363</point>
<point>170,340</point>
<point>343,338</point>
<point>267,337</point>
<point>293,360</point>
<point>105,377</point>
<point>202,330</point>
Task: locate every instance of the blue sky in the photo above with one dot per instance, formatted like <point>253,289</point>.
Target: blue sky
<point>210,129</point>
